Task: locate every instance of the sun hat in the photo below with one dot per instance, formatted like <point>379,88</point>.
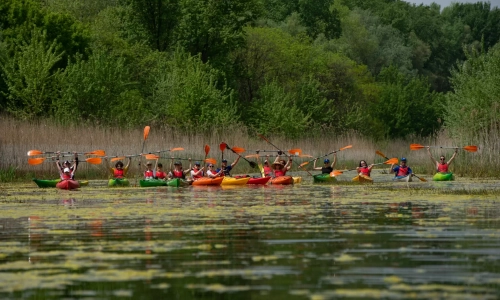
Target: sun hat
<point>326,160</point>
<point>148,163</point>
<point>67,170</point>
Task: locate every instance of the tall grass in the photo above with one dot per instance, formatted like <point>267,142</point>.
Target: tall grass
<point>17,137</point>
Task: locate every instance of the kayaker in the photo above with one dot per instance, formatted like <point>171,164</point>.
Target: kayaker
<point>160,174</point>
<point>280,167</point>
<point>118,171</point>
<point>402,170</point>
<point>149,173</point>
<point>66,164</point>
<point>177,171</point>
<point>326,168</point>
<point>227,169</point>
<point>442,165</point>
<point>268,171</point>
<point>211,173</point>
<point>364,168</point>
<point>67,173</point>
<point>197,171</point>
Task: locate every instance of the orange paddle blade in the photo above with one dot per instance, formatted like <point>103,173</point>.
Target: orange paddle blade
<point>346,147</point>
<point>380,153</point>
<point>305,155</point>
<point>416,147</point>
<point>303,164</point>
<point>252,156</point>
<point>392,161</point>
<point>238,149</point>
<point>207,149</point>
<point>335,173</point>
<point>222,146</point>
<point>96,152</point>
<point>151,156</point>
<point>118,158</point>
<point>211,161</point>
<point>470,148</point>
<point>35,152</point>
<point>36,161</point>
<point>94,160</point>
<point>295,151</point>
<point>177,149</point>
<point>146,132</point>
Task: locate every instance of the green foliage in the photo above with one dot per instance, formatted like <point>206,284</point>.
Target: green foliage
<point>186,95</point>
<point>472,110</point>
<point>30,76</point>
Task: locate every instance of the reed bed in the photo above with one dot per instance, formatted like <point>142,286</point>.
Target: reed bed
<point>18,137</point>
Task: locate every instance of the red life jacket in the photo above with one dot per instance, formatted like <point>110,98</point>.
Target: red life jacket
<point>148,174</point>
<point>161,175</point>
<point>268,171</point>
<point>364,171</point>
<point>118,173</point>
<point>442,168</point>
<point>199,175</point>
<point>403,171</point>
<point>178,174</point>
<point>65,176</point>
<point>278,173</point>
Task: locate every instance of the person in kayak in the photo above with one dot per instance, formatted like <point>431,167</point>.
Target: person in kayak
<point>326,168</point>
<point>280,167</point>
<point>211,173</point>
<point>401,170</point>
<point>197,171</point>
<point>149,173</point>
<point>364,168</point>
<point>268,171</point>
<point>67,163</point>
<point>119,171</point>
<point>67,174</point>
<point>160,174</point>
<point>177,171</point>
<point>226,170</point>
<point>442,165</point>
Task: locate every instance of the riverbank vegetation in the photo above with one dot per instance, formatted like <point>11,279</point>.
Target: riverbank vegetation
<point>300,71</point>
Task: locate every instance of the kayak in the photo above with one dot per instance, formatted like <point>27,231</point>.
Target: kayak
<point>323,178</point>
<point>152,182</point>
<point>363,179</point>
<point>257,180</point>
<point>283,180</point>
<point>442,176</point>
<point>177,182</point>
<point>208,181</point>
<point>51,183</point>
<point>118,182</point>
<point>403,178</point>
<point>235,181</point>
<point>297,179</point>
<point>67,184</point>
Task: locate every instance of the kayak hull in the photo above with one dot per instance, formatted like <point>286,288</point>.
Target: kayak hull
<point>297,179</point>
<point>152,182</point>
<point>235,181</point>
<point>362,179</point>
<point>118,182</point>
<point>282,180</point>
<point>403,178</point>
<point>262,180</point>
<point>440,176</point>
<point>68,184</point>
<point>51,183</point>
<point>177,182</point>
<point>323,178</point>
<point>208,181</point>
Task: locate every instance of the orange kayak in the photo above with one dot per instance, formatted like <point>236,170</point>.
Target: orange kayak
<point>282,180</point>
<point>208,181</point>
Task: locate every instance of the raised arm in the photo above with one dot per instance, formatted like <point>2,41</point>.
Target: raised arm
<point>334,160</point>
<point>453,156</point>
<point>314,166</point>
<point>189,169</point>
<point>235,162</point>
<point>432,158</point>
<point>75,163</point>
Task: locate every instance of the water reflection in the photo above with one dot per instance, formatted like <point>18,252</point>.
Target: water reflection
<point>299,241</point>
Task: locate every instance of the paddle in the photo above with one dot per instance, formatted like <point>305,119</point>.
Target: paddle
<point>307,162</point>
<point>383,155</point>
<point>145,137</point>
<point>257,156</point>
<point>95,152</point>
<point>470,148</point>
<point>264,138</point>
<point>236,150</point>
<point>222,147</point>
<point>388,162</point>
<point>169,150</point>
<point>39,160</point>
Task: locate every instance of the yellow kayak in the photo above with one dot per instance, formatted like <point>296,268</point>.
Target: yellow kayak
<point>297,180</point>
<point>363,179</point>
<point>235,181</point>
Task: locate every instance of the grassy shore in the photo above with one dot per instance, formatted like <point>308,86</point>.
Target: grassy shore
<point>18,137</point>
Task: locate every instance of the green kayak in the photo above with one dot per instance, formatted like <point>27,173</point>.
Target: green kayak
<point>118,182</point>
<point>440,176</point>
<point>176,182</point>
<point>49,183</point>
<point>323,178</point>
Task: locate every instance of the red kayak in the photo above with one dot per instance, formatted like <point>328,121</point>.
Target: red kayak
<point>283,180</point>
<point>208,181</point>
<point>262,180</point>
<point>68,184</point>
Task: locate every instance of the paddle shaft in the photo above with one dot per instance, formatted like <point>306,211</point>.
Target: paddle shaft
<point>251,163</point>
<point>261,136</point>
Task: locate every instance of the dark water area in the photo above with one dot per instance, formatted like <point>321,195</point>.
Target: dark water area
<point>386,240</point>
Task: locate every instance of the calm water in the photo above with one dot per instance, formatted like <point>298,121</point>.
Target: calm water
<point>296,242</point>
